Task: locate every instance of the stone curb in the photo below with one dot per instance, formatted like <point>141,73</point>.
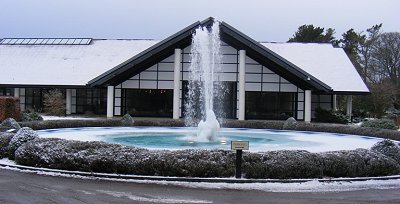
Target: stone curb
<point>193,179</point>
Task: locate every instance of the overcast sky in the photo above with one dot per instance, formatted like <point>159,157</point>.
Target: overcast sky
<point>263,20</point>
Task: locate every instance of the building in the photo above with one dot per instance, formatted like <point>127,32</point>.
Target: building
<point>140,77</point>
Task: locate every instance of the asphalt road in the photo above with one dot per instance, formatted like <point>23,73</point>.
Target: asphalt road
<point>20,187</point>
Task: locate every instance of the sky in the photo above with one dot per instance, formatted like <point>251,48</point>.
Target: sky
<point>263,20</point>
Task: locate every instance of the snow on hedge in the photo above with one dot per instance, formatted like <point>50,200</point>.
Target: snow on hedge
<point>112,158</point>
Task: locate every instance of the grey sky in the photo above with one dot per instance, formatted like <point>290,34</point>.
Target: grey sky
<point>264,20</point>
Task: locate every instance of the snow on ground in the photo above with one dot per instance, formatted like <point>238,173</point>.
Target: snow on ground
<point>310,186</point>
<point>155,199</point>
<point>6,161</point>
<point>49,117</point>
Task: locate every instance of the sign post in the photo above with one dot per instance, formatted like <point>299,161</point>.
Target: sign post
<point>239,146</point>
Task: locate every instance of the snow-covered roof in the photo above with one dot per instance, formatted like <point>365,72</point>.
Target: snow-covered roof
<point>65,65</point>
<point>326,63</point>
<point>76,65</point>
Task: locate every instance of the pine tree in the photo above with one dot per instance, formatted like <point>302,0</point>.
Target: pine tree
<point>311,34</point>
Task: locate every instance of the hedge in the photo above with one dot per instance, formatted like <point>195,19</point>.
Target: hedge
<point>5,139</point>
<point>113,158</point>
<point>51,124</point>
<point>380,123</point>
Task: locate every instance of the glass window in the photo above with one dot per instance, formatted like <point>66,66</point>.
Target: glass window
<point>6,92</point>
<point>91,101</point>
<point>270,105</point>
<point>148,102</point>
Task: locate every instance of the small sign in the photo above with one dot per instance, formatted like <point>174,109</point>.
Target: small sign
<point>239,145</point>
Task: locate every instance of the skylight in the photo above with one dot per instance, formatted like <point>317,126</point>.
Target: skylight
<point>45,41</point>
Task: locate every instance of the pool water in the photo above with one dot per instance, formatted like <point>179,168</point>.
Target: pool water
<point>184,138</point>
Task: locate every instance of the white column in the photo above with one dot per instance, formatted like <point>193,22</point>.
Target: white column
<point>68,101</point>
<point>16,92</point>
<point>177,71</point>
<point>349,106</point>
<point>110,101</point>
<point>242,90</point>
<point>307,106</point>
<point>334,102</point>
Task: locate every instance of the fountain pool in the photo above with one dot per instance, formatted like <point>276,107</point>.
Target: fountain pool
<point>178,138</point>
<point>205,85</point>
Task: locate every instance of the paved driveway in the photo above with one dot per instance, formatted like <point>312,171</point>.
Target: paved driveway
<point>20,187</point>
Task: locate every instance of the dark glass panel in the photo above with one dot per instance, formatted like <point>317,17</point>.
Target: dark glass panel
<point>270,105</point>
<point>148,102</point>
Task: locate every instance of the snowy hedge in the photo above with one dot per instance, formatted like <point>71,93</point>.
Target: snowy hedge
<point>388,148</point>
<point>113,158</point>
<point>283,164</point>
<point>380,123</point>
<point>9,123</point>
<point>358,163</point>
<point>348,129</point>
<point>50,124</point>
<point>5,139</point>
<point>23,136</point>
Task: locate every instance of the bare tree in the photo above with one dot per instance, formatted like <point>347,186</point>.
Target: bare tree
<point>54,102</point>
<point>386,60</point>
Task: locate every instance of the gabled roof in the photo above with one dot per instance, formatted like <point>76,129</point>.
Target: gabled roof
<point>228,34</point>
<point>145,59</point>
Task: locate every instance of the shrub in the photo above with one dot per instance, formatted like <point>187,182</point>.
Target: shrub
<point>322,115</point>
<point>9,123</point>
<point>23,135</point>
<point>50,124</point>
<point>9,108</point>
<point>127,120</point>
<point>31,116</point>
<point>5,139</point>
<point>380,123</point>
<point>113,158</point>
<point>54,102</point>
<point>348,129</point>
<point>388,148</point>
<point>261,124</point>
<point>357,163</point>
<point>160,122</point>
<point>290,124</point>
<point>282,164</point>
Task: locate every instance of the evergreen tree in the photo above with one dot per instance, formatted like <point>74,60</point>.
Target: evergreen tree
<point>311,34</point>
<point>350,43</point>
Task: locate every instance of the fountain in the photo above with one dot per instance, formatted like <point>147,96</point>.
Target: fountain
<point>202,103</point>
<point>203,82</point>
